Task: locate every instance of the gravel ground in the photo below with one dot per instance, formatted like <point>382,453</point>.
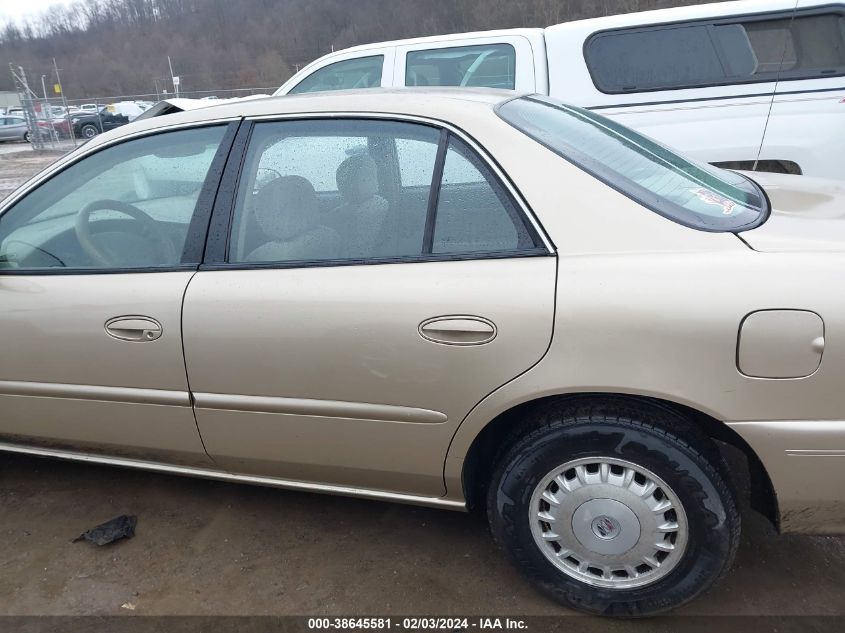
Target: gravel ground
<point>210,548</point>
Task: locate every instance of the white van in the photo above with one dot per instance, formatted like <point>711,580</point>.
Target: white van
<point>746,84</point>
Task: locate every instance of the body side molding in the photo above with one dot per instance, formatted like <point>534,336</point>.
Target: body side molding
<point>202,473</point>
<point>320,408</point>
<point>94,392</point>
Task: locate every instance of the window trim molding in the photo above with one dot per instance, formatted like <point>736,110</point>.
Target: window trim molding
<point>198,226</point>
<point>794,13</point>
<point>46,272</point>
<point>434,193</point>
<point>218,240</point>
<point>377,261</point>
<point>220,224</point>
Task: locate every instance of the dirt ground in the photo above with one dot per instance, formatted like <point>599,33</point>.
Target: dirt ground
<point>18,162</point>
<point>210,548</point>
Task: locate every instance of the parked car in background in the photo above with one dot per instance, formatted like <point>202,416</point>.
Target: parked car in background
<point>493,301</point>
<point>13,128</point>
<point>87,126</point>
<point>130,109</point>
<point>753,84</point>
<point>53,127</point>
<point>91,107</point>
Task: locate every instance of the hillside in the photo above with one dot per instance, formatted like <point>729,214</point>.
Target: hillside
<point>120,47</point>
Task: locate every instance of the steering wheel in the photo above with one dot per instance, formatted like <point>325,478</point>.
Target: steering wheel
<point>147,228</point>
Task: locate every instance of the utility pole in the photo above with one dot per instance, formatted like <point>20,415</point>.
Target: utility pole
<point>64,101</point>
<point>28,98</point>
<point>59,79</point>
<point>44,86</point>
<point>173,77</point>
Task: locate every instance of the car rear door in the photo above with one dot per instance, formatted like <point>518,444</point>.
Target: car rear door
<point>94,263</point>
<point>366,283</point>
<point>19,127</point>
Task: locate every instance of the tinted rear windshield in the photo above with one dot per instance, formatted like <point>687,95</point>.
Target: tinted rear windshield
<point>693,194</point>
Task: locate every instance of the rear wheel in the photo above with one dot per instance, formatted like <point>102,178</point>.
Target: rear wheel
<point>89,131</point>
<point>26,137</point>
<point>615,512</point>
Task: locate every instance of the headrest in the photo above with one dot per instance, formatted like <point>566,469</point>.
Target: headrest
<point>286,207</point>
<point>357,178</point>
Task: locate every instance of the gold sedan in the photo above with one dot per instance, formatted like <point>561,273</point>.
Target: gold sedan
<point>462,299</point>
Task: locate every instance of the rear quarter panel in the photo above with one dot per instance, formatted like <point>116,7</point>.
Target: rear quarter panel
<point>648,307</point>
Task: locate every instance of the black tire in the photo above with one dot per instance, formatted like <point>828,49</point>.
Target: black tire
<point>88,131</point>
<point>660,441</point>
<point>26,137</point>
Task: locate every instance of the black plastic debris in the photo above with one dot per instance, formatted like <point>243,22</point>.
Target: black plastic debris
<point>110,531</point>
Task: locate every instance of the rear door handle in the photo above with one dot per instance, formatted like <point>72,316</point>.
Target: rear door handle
<point>458,330</point>
<point>136,329</point>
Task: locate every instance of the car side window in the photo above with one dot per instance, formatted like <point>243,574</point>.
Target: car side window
<point>699,54</point>
<point>363,72</point>
<point>327,190</point>
<point>474,212</point>
<point>481,66</point>
<point>338,190</point>
<point>126,206</point>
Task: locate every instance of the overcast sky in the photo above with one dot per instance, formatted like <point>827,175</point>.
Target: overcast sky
<point>17,9</point>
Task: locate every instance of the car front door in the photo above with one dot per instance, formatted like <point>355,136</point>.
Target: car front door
<point>94,262</point>
<point>378,281</point>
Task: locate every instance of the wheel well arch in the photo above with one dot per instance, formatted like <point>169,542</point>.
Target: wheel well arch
<point>480,458</point>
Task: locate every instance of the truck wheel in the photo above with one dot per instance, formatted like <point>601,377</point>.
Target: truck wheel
<point>620,511</point>
<point>89,131</point>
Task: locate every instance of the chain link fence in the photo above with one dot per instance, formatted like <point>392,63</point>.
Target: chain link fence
<point>61,124</point>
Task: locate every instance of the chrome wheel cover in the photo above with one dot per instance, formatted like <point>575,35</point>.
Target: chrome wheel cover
<point>608,522</point>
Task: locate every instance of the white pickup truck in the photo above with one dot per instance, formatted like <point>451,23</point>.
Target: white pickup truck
<point>752,84</point>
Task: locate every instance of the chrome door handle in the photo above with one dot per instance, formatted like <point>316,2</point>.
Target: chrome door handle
<point>136,329</point>
<point>458,330</point>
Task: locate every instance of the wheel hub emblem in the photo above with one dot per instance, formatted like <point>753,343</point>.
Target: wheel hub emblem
<point>606,527</point>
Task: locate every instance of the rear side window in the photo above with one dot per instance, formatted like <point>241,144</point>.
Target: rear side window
<point>474,213</point>
<point>708,54</point>
<point>690,193</point>
<point>483,66</point>
<point>364,72</point>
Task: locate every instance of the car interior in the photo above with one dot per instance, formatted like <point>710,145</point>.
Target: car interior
<point>366,198</point>
<point>302,198</point>
<point>124,207</point>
